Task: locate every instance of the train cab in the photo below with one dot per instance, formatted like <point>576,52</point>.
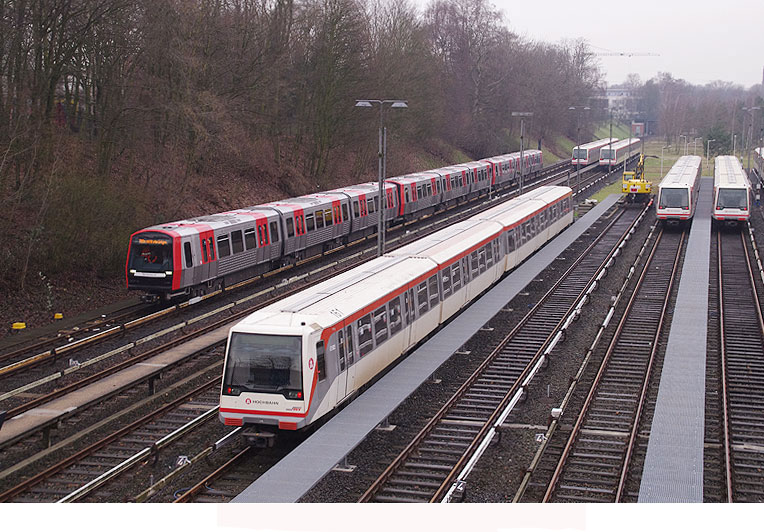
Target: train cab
<point>151,261</point>
<point>732,191</point>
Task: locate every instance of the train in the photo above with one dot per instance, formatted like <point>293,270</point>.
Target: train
<point>292,363</point>
<point>589,153</point>
<point>678,191</point>
<point>619,151</point>
<point>190,258</point>
<point>758,161</point>
<point>732,191</point>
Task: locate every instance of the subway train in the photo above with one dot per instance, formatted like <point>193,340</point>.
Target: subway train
<point>732,191</point>
<point>589,153</point>
<point>189,258</point>
<point>293,362</point>
<point>619,151</point>
<point>678,191</point>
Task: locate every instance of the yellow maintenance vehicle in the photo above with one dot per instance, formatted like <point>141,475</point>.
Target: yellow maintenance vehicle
<point>634,184</point>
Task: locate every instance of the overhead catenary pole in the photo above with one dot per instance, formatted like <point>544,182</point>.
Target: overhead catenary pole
<point>578,142</point>
<point>522,159</point>
<point>382,164</point>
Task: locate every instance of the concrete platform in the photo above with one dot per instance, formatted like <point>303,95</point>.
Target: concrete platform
<point>300,470</point>
<point>673,470</point>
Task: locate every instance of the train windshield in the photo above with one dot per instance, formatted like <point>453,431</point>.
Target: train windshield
<point>151,253</point>
<point>607,153</point>
<point>674,198</point>
<point>264,363</point>
<point>579,153</point>
<point>732,198</point>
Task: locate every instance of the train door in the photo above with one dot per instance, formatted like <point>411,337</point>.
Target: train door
<point>207,247</point>
<point>191,275</point>
<point>351,357</point>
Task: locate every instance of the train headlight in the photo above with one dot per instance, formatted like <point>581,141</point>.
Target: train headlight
<point>232,391</point>
<point>293,394</point>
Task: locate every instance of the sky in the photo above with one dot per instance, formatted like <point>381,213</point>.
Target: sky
<point>699,41</point>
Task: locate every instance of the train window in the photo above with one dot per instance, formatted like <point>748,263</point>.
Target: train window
<point>204,250</point>
<point>376,203</point>
<point>328,217</point>
<point>224,247</point>
<point>456,276</point>
<point>394,311</point>
<point>274,232</point>
<point>341,348</point>
<point>319,219</point>
<point>380,324</point>
<point>429,189</point>
<point>489,254</point>
<point>421,297</point>
<point>237,242</point>
<point>370,206</point>
<point>474,264</point>
<point>320,361</point>
<point>510,241</point>
<point>406,193</point>
<point>249,238</point>
<point>419,192</point>
<point>453,181</point>
<point>446,273</point>
<point>189,258</point>
<point>290,227</point>
<point>356,212</point>
<point>437,184</point>
<point>481,259</point>
<point>345,212</point>
<point>310,223</point>
<point>349,338</point>
<point>365,340</point>
<point>263,232</point>
<point>434,294</point>
<point>465,270</point>
<point>212,248</point>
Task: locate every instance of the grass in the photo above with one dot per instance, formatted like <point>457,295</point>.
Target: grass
<point>620,130</point>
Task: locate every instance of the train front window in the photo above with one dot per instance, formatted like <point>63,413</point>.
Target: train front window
<point>579,154</point>
<point>264,363</point>
<point>607,154</point>
<point>151,254</point>
<point>674,198</point>
<point>732,198</point>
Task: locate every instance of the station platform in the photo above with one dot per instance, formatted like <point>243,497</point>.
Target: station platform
<point>673,470</point>
<point>300,470</point>
<point>15,427</point>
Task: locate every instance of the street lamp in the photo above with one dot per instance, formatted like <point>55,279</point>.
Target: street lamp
<point>394,104</point>
<point>695,145</point>
<point>734,142</point>
<point>522,116</point>
<point>685,143</point>
<point>708,151</point>
<point>578,143</point>
<point>663,148</point>
<point>750,133</point>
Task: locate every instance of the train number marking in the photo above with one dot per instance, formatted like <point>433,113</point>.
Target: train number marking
<point>310,363</point>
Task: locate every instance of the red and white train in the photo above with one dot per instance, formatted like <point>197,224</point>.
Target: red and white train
<point>200,255</point>
<point>732,191</point>
<point>618,152</point>
<point>297,360</point>
<point>678,191</point>
<point>589,153</point>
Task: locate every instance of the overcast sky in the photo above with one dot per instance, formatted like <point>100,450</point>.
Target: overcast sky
<point>699,41</point>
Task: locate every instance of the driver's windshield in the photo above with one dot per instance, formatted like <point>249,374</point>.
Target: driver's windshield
<point>674,198</point>
<point>264,362</point>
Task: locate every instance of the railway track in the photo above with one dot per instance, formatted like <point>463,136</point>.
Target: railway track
<point>91,470</point>
<point>435,464</point>
<point>741,328</point>
<point>593,464</point>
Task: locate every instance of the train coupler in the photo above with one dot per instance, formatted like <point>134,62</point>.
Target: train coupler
<point>259,438</point>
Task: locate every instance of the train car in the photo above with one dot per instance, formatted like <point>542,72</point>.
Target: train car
<point>199,255</point>
<point>504,169</point>
<point>292,363</point>
<point>732,191</point>
<point>758,160</point>
<point>678,191</point>
<point>589,153</point>
<point>618,152</point>
<point>364,207</point>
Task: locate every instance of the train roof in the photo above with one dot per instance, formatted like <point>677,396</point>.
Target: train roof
<point>594,144</point>
<point>624,143</point>
<point>683,173</point>
<point>417,177</point>
<point>339,297</point>
<point>729,173</point>
<point>211,222</point>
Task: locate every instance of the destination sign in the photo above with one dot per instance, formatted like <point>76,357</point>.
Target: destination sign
<point>152,241</point>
